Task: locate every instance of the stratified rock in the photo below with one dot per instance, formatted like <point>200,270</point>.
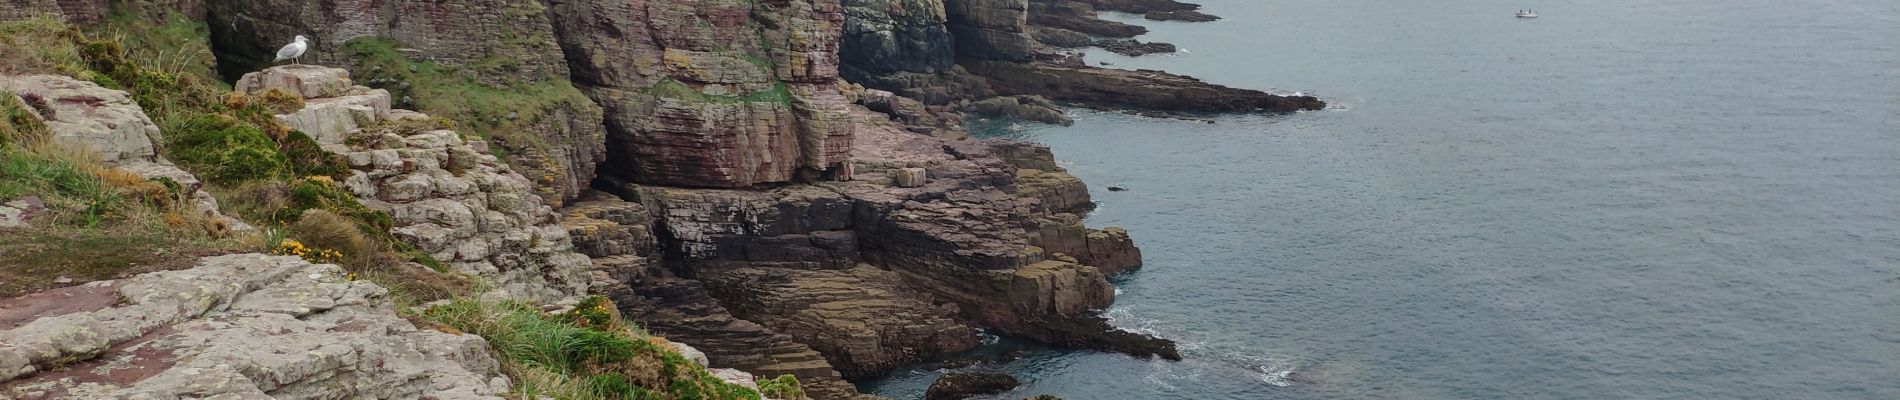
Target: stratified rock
<point>972,237</point>
<point>683,310</point>
<point>446,196</point>
<point>962,385</point>
<point>235,326</point>
<point>865,320</point>
<point>1182,15</point>
<point>711,93</point>
<point>1141,89</point>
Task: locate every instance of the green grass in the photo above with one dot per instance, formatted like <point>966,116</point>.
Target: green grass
<point>584,354</point>
<point>674,89</point>
<point>160,39</point>
<point>505,112</point>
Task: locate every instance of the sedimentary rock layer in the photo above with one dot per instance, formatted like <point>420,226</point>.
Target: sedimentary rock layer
<point>711,93</point>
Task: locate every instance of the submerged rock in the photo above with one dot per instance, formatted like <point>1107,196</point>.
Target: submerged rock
<point>1181,15</point>
<point>962,385</point>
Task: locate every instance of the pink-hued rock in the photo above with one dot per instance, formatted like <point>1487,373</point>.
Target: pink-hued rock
<point>710,93</point>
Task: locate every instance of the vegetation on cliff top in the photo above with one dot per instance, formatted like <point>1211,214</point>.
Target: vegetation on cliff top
<point>587,353</point>
<point>514,115</point>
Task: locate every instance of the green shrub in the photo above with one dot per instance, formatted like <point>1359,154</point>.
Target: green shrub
<point>223,150</point>
<point>784,387</point>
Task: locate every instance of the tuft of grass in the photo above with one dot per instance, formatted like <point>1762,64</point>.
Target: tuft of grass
<point>222,149</point>
<point>38,45</point>
<point>587,353</point>
<point>784,387</point>
<point>160,39</point>
<point>322,229</point>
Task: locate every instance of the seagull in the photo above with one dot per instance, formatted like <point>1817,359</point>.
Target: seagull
<point>291,51</point>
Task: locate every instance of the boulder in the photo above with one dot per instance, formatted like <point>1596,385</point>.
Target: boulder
<point>911,177</point>
<point>307,81</point>
<point>84,115</point>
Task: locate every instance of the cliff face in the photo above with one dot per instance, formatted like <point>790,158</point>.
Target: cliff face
<point>711,93</point>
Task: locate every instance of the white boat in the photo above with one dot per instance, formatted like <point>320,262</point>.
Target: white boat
<point>1527,14</point>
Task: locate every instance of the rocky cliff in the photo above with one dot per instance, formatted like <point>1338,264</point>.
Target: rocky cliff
<point>754,202</point>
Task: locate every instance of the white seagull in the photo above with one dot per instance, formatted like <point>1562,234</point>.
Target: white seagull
<point>291,51</point>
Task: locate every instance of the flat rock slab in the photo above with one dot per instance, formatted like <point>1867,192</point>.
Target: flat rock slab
<point>235,326</point>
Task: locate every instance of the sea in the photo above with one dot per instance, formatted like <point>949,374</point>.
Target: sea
<point>1620,199</point>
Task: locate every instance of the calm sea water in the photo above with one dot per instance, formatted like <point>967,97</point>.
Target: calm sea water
<point>1642,199</point>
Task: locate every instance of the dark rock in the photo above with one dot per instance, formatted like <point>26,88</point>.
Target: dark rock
<point>1141,6</point>
<point>1141,89</point>
<point>1183,16</point>
<point>1031,108</point>
<point>1117,189</point>
<point>883,36</point>
<point>989,29</point>
<point>1059,37</point>
<point>960,385</point>
<point>1134,48</point>
<point>1079,17</point>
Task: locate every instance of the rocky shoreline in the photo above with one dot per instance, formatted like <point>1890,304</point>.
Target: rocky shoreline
<point>782,185</point>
